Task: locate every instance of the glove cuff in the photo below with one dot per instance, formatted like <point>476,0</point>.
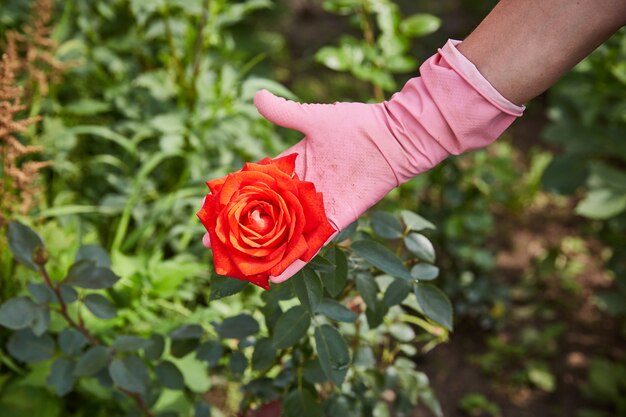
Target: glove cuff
<point>468,71</point>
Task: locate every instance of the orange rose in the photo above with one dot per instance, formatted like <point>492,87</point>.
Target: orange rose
<point>263,218</point>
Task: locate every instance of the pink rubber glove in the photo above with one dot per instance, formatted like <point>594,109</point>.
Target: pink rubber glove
<point>355,153</point>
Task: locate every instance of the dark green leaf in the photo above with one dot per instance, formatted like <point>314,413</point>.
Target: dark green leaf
<point>264,354</point>
<point>92,361</point>
<point>210,351</point>
<point>41,293</point>
<point>308,287</point>
<point>127,343</point>
<point>169,375</point>
<point>42,320</point>
<point>237,327</point>
<point>68,294</point>
<point>313,372</point>
<point>382,258</point>
<point>237,363</point>
<point>375,313</point>
<point>435,304</point>
<point>61,376</point>
<point>367,288</point>
<point>71,341</point>
<point>336,311</point>
<point>346,233</point>
<point>25,346</point>
<point>386,225</point>
<point>93,253</point>
<point>23,242</point>
<point>291,327</point>
<point>187,331</point>
<point>335,281</point>
<point>223,286</point>
<point>154,351</point>
<point>415,222</point>
<point>202,409</point>
<point>333,354</point>
<point>100,306</point>
<point>419,25</point>
<point>424,272</point>
<point>86,274</point>
<point>396,292</point>
<point>182,347</point>
<point>301,403</point>
<point>420,246</point>
<point>129,373</point>
<point>18,313</point>
<point>321,264</point>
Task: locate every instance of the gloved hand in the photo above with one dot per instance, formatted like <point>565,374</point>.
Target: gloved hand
<point>355,153</point>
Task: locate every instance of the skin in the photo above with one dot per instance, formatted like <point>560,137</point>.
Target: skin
<point>523,46</point>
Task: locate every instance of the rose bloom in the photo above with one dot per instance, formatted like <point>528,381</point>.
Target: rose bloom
<point>263,218</point>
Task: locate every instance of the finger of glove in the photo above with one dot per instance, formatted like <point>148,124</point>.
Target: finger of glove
<point>206,241</point>
<point>282,112</point>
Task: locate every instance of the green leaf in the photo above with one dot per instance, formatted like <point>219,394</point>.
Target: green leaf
<point>382,258</point>
<point>223,287</point>
<point>86,274</point>
<point>420,246</point>
<point>71,341</point>
<point>367,288</point>
<point>23,242</point>
<point>42,320</point>
<point>128,343</point>
<point>386,225</point>
<point>402,332</point>
<point>92,361</point>
<point>336,311</point>
<point>346,233</point>
<point>41,293</point>
<point>264,354</point>
<point>301,403</point>
<point>308,287</point>
<point>155,350</point>
<point>602,204</point>
<point>375,313</point>
<point>415,222</point>
<point>291,327</point>
<point>61,376</point>
<point>237,363</point>
<point>424,272</point>
<point>313,372</point>
<point>68,294</point>
<point>237,327</point>
<point>321,264</point>
<point>93,253</point>
<point>129,373</point>
<point>333,354</point>
<point>419,25</point>
<point>187,331</point>
<point>396,292</point>
<point>435,304</point>
<point>210,351</point>
<point>539,375</point>
<point>18,313</point>
<point>182,347</point>
<point>335,281</point>
<point>169,375</point>
<point>100,306</point>
<point>25,346</point>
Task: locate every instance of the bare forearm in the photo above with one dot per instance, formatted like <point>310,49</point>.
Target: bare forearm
<point>523,46</point>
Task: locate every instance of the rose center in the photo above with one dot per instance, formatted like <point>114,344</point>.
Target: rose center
<point>259,220</point>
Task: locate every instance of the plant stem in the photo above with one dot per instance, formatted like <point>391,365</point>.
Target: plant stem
<point>368,34</point>
<point>178,68</point>
<point>197,52</point>
<point>94,341</point>
<point>63,309</point>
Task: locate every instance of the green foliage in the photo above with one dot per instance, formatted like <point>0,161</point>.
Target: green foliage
<point>308,346</point>
<point>384,48</point>
<point>606,387</point>
<point>475,405</point>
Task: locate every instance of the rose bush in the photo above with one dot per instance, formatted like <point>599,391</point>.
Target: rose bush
<point>263,218</point>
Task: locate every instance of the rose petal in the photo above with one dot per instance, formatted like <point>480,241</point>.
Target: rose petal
<point>286,163</point>
<point>235,182</point>
<point>291,255</point>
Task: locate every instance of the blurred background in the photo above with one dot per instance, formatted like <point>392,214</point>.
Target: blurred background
<point>130,105</point>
